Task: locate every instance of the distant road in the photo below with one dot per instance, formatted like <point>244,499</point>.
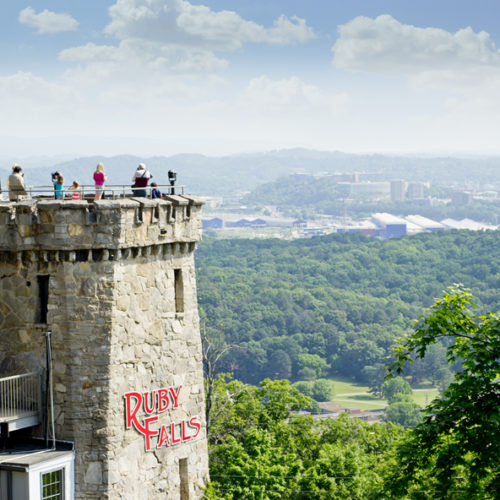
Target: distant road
<point>360,401</point>
<point>368,394</point>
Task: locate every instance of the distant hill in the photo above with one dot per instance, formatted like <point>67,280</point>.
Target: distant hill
<point>239,174</point>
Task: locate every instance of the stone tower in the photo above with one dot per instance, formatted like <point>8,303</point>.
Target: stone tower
<point>114,281</point>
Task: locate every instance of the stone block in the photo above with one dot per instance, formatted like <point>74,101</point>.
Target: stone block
<point>93,473</point>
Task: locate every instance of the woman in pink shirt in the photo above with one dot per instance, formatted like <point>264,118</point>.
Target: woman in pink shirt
<point>99,179</point>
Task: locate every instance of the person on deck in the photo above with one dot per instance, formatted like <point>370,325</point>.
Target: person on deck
<point>58,187</point>
<point>76,191</point>
<point>155,192</point>
<point>15,183</point>
<point>99,178</point>
<point>140,179</point>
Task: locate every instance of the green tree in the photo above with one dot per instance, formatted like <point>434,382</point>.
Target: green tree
<point>306,373</point>
<point>375,375</point>
<point>314,362</point>
<point>305,387</point>
<point>455,450</point>
<point>322,390</point>
<point>279,365</point>
<point>394,387</point>
<point>403,411</point>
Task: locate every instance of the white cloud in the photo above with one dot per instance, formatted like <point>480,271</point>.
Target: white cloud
<point>291,96</point>
<point>89,52</point>
<point>47,21</point>
<point>385,46</point>
<point>158,37</point>
<point>143,57</point>
<point>180,22</point>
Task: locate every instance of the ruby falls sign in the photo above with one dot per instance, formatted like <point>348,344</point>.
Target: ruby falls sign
<point>143,410</point>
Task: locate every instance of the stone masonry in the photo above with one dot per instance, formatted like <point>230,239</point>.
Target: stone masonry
<point>122,308</point>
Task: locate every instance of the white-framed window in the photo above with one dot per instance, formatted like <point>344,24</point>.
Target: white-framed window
<point>52,484</point>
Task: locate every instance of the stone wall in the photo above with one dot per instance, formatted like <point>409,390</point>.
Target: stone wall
<point>122,308</point>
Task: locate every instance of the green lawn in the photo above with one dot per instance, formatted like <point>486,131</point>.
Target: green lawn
<point>423,398</point>
<point>343,386</point>
<point>365,401</point>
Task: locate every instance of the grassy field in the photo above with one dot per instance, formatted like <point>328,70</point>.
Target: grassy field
<point>423,398</point>
<point>343,386</point>
<point>347,393</point>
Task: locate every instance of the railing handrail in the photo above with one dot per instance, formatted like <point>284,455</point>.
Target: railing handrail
<point>86,189</point>
<point>105,186</point>
<point>13,377</point>
<point>21,396</point>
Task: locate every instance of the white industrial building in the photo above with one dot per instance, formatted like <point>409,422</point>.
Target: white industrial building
<point>424,223</point>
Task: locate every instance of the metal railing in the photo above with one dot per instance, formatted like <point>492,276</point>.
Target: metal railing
<point>20,395</point>
<point>112,191</point>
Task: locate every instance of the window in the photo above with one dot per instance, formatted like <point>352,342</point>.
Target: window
<point>52,485</point>
<point>184,478</point>
<point>179,291</point>
<point>43,298</point>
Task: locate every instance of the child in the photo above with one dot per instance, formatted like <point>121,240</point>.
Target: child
<point>58,187</point>
<point>155,192</point>
<point>77,192</point>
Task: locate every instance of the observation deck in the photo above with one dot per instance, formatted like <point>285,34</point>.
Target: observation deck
<point>118,221</point>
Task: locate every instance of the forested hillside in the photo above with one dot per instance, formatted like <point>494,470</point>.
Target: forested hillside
<point>335,304</point>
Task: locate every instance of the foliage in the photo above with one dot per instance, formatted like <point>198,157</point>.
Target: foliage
<point>402,410</point>
<point>341,298</point>
<point>266,454</point>
<point>235,405</point>
<point>457,446</point>
<point>375,375</point>
<point>395,387</point>
<point>320,389</point>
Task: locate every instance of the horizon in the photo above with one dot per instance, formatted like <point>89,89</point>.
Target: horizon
<point>33,161</point>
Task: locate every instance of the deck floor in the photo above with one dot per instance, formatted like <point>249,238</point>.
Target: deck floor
<point>9,417</point>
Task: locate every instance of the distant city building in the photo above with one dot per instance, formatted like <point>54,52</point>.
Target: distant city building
<point>398,190</point>
<point>470,224</point>
<point>369,188</point>
<point>461,198</point>
<point>425,223</point>
<point>345,177</point>
<point>366,227</point>
<point>213,201</point>
<point>389,225</point>
<point>314,231</point>
<point>416,190</point>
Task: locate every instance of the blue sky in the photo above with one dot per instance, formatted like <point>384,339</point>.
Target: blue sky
<point>223,76</point>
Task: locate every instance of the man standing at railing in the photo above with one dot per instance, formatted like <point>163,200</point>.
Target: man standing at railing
<point>140,179</point>
<point>15,183</point>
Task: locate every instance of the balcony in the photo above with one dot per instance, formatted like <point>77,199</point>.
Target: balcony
<point>20,402</point>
